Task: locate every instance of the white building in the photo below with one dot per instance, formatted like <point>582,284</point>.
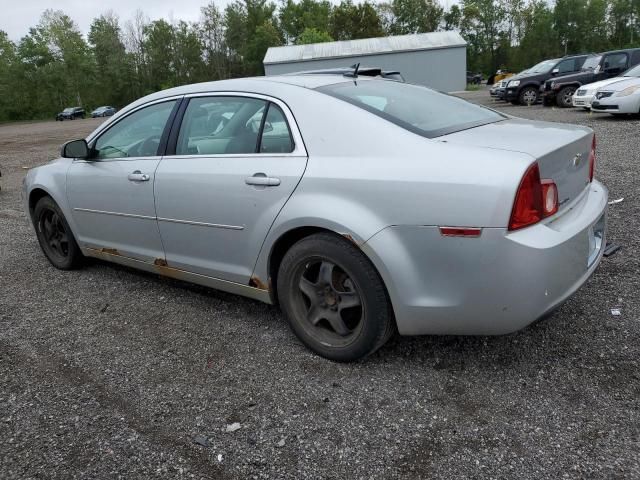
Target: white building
<point>437,60</point>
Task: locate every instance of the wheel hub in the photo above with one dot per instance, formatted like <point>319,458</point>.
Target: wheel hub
<point>331,299</point>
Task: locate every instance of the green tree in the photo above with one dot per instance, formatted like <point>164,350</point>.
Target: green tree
<point>416,16</point>
<point>452,18</point>
<point>539,40</point>
<point>113,64</point>
<point>481,25</point>
<point>349,21</point>
<point>159,48</point>
<point>8,86</point>
<point>265,36</point>
<point>212,33</point>
<point>295,18</point>
<point>250,28</point>
<point>188,53</point>
<point>313,35</point>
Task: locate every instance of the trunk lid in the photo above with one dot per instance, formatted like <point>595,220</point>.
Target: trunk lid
<point>562,151</point>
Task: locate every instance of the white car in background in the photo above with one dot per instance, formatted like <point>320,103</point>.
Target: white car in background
<point>621,97</point>
<point>586,93</point>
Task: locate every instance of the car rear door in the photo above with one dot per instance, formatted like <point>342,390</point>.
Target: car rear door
<point>111,194</point>
<point>229,169</point>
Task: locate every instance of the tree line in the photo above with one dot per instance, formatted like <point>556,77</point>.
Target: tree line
<point>54,65</point>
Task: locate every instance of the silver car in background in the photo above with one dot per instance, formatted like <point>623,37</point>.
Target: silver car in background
<point>361,206</point>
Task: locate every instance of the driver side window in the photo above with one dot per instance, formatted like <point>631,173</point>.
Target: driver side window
<point>137,135</point>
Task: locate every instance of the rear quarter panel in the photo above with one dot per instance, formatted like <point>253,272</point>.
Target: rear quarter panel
<point>365,173</point>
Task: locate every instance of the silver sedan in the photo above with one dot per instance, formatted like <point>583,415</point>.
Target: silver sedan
<point>361,206</point>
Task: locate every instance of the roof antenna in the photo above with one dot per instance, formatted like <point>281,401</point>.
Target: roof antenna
<point>354,74</point>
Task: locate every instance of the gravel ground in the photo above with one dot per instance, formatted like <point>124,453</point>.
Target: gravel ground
<point>107,372</point>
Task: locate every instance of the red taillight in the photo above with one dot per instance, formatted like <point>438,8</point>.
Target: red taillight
<point>527,209</point>
<point>592,159</point>
<point>535,199</point>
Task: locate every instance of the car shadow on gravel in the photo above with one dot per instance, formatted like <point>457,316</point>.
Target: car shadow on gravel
<point>440,352</point>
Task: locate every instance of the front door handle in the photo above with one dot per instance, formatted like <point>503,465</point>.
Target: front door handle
<point>261,179</point>
<point>138,176</point>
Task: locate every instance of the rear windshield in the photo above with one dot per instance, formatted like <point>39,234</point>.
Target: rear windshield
<point>417,109</point>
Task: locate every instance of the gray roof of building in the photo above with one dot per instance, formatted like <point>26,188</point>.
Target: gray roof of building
<point>366,46</point>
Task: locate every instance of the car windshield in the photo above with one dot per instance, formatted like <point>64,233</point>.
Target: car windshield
<point>543,67</point>
<point>417,109</point>
<point>68,110</point>
<point>632,72</point>
<point>591,63</point>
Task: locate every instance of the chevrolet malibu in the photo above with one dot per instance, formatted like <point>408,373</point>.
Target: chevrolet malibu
<point>362,206</point>
<point>621,97</point>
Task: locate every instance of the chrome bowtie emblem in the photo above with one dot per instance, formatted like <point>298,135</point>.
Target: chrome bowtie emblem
<point>577,159</point>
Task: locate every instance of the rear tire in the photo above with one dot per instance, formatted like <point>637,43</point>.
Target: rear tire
<point>564,97</point>
<point>334,299</point>
<point>55,236</point>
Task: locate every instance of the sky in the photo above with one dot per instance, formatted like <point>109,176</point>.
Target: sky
<point>17,16</point>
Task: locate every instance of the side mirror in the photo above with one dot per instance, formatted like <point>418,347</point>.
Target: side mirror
<point>555,71</point>
<point>75,149</point>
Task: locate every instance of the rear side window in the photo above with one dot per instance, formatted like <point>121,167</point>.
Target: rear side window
<point>417,109</point>
<point>616,62</point>
<point>276,136</point>
<point>221,125</point>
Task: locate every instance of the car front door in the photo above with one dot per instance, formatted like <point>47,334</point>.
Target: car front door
<point>228,171</point>
<point>111,193</point>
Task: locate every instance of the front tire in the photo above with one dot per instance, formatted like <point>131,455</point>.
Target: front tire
<point>55,236</point>
<point>334,299</point>
<point>528,96</point>
<point>564,99</point>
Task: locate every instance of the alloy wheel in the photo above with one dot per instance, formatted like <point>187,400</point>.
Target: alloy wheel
<point>55,235</point>
<point>329,301</point>
<point>529,97</point>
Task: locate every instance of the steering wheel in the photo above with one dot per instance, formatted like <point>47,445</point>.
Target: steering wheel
<point>149,147</point>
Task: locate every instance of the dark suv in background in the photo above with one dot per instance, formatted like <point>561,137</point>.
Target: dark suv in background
<point>70,113</point>
<point>560,90</point>
<point>524,89</point>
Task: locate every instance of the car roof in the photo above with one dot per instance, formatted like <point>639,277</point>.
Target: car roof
<point>256,84</point>
<point>277,86</point>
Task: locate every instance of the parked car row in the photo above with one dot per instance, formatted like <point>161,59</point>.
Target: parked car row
<point>72,113</point>
<point>559,81</point>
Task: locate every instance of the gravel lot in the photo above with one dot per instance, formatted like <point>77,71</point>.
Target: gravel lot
<point>107,372</point>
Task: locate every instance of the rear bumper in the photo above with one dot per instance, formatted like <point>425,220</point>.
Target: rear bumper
<point>495,284</point>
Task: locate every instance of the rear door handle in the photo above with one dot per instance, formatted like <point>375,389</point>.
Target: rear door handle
<point>138,176</point>
<point>261,179</point>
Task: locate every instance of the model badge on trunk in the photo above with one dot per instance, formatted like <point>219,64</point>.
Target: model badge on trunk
<point>577,159</point>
